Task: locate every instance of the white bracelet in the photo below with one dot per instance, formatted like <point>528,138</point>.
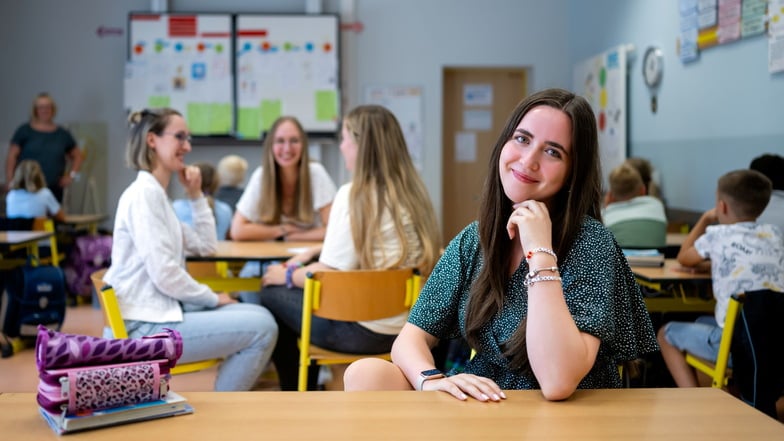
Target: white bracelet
<point>541,250</point>
<point>530,282</point>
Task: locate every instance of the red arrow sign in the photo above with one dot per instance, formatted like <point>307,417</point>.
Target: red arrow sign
<point>103,31</point>
<point>356,26</point>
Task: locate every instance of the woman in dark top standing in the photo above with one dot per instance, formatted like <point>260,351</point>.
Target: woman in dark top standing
<point>47,143</point>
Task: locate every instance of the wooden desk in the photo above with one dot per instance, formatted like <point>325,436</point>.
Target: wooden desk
<point>85,221</point>
<point>237,251</point>
<point>14,240</point>
<point>681,291</point>
<point>676,239</point>
<point>621,414</point>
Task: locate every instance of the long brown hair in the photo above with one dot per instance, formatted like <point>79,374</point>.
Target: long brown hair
<point>580,196</point>
<point>385,180</point>
<point>271,202</point>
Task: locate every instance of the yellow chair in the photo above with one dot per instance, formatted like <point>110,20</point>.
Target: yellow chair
<point>351,296</point>
<point>718,372</point>
<point>113,317</point>
<point>46,224</point>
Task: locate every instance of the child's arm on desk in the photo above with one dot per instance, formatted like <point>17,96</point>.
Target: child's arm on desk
<point>688,255</point>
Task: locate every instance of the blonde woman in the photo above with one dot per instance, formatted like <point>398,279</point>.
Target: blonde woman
<point>288,197</point>
<point>382,219</point>
<point>47,143</point>
<point>29,196</point>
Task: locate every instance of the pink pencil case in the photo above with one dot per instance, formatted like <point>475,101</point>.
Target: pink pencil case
<point>83,389</point>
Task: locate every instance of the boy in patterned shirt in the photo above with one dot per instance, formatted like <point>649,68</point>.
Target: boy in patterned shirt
<point>744,256</point>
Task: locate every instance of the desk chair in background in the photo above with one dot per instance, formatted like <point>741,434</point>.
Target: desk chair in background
<point>351,296</point>
<point>753,335</point>
<point>113,317</point>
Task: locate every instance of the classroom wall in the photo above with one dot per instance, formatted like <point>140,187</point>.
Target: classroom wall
<point>714,115</point>
<point>706,124</point>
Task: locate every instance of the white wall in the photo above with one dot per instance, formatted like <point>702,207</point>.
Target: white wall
<point>714,115</point>
<point>409,42</point>
<point>707,122</point>
<point>403,42</point>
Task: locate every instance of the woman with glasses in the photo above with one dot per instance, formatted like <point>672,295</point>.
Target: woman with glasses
<point>148,260</point>
<point>47,143</point>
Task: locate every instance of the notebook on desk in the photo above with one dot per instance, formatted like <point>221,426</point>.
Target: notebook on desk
<point>645,257</point>
<point>173,404</point>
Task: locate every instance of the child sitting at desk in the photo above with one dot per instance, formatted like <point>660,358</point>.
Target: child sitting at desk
<point>29,197</point>
<point>745,256</point>
<point>636,219</point>
<point>221,210</point>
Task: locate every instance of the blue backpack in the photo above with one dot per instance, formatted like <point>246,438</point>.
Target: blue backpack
<point>36,296</point>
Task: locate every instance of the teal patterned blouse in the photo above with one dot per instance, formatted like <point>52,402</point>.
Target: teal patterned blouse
<point>600,291</point>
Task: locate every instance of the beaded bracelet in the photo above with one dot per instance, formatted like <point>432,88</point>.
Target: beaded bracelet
<point>290,273</point>
<point>530,282</point>
<point>541,250</point>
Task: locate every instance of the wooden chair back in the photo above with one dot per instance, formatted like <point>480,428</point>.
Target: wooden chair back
<point>360,295</point>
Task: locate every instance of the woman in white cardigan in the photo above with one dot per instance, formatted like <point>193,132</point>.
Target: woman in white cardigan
<point>148,255</point>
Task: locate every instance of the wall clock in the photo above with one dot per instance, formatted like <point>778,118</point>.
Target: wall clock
<point>652,72</point>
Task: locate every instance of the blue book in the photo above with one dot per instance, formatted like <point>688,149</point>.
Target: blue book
<point>173,404</point>
<point>644,257</point>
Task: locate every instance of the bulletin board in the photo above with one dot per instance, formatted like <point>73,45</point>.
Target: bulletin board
<point>406,103</point>
<point>287,65</point>
<point>602,81</point>
<point>183,61</point>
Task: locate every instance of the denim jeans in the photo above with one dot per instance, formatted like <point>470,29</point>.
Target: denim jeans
<point>700,338</point>
<point>243,335</point>
<point>286,305</point>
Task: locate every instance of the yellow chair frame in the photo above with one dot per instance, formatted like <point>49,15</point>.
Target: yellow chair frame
<point>113,317</point>
<point>46,224</point>
<point>718,372</point>
<point>353,296</point>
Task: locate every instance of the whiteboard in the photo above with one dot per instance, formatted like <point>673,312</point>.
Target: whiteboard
<point>182,61</point>
<point>602,81</point>
<point>287,65</point>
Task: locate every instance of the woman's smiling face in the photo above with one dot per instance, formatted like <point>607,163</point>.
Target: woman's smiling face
<point>535,162</point>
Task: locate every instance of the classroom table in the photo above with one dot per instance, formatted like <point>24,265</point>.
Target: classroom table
<point>623,414</point>
<point>247,251</point>
<point>679,290</point>
<point>87,222</point>
<point>15,240</point>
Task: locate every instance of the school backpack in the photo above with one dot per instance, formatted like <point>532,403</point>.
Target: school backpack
<point>89,254</point>
<point>35,296</point>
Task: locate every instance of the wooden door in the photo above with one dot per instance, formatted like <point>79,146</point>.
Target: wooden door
<point>476,104</point>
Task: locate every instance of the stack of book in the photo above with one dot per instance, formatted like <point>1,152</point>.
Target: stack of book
<point>651,257</point>
<point>171,405</point>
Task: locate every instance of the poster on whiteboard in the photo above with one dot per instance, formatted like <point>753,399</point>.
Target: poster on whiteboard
<point>405,102</point>
<point>287,65</point>
<point>602,81</point>
<point>182,61</point>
